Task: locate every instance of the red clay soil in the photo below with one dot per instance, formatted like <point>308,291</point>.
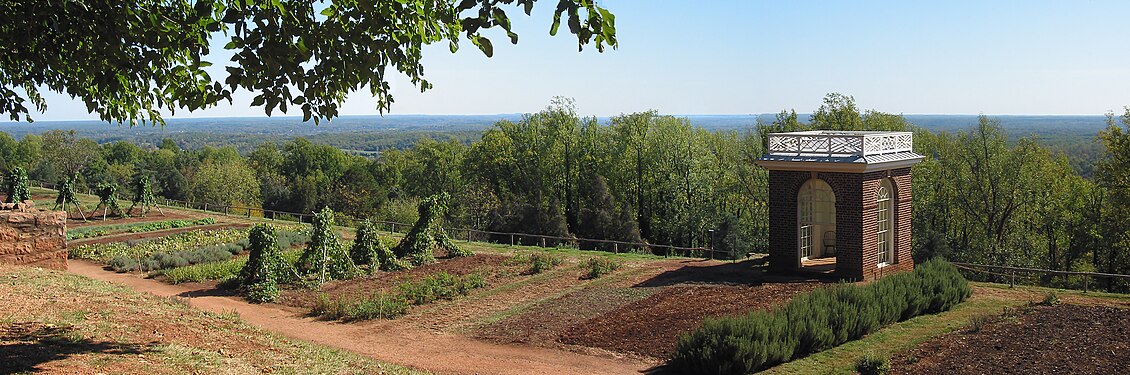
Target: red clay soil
<point>1066,338</point>
<point>152,234</point>
<point>651,326</point>
<point>544,323</point>
<point>305,298</point>
<point>385,340</point>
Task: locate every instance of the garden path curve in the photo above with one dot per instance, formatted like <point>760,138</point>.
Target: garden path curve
<point>427,350</point>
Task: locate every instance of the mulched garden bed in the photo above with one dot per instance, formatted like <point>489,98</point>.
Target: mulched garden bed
<point>1064,338</point>
<point>652,325</point>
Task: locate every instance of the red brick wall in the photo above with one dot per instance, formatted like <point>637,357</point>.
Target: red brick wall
<point>33,238</point>
<point>856,214</point>
<point>783,188</point>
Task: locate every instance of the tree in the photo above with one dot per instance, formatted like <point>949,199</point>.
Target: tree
<point>1113,174</point>
<point>601,218</point>
<point>126,60</point>
<point>225,184</point>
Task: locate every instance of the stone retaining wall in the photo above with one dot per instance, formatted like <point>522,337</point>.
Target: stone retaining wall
<point>33,238</point>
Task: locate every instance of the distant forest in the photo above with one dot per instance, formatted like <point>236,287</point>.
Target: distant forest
<point>1074,136</point>
<point>1010,190</point>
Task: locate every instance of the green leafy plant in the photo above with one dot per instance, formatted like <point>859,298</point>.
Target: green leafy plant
<point>378,305</point>
<point>439,286</point>
<point>67,195</point>
<point>325,257</point>
<point>368,249</point>
<point>109,202</point>
<point>265,267</point>
<point>143,195</point>
<point>1050,299</point>
<point>541,262</point>
<point>427,234</point>
<point>138,249</point>
<point>872,365</point>
<point>17,186</point>
<point>600,266</point>
<point>816,321</point>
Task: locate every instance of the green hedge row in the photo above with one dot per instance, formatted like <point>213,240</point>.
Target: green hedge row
<point>816,321</point>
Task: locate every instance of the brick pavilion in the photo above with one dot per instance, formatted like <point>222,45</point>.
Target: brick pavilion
<point>840,202</point>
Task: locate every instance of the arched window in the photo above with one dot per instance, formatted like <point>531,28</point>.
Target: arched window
<point>885,217</point>
<point>816,216</point>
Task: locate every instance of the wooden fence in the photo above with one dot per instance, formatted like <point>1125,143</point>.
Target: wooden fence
<point>1011,273</point>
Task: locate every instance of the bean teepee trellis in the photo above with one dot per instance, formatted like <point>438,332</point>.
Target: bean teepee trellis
<point>67,195</point>
<point>143,194</point>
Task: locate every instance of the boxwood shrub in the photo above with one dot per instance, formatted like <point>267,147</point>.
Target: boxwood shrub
<point>816,321</point>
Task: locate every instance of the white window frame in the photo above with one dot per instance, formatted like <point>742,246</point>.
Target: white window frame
<point>884,220</point>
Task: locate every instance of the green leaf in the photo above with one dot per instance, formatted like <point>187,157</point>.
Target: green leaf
<point>486,46</point>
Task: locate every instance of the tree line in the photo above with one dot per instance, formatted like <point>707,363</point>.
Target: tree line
<point>645,177</point>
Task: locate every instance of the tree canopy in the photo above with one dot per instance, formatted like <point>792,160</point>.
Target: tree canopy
<point>126,60</point>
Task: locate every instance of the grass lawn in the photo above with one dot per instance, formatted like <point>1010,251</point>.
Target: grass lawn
<point>53,321</point>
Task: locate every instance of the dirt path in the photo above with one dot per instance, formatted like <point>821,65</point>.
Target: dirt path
<point>437,352</point>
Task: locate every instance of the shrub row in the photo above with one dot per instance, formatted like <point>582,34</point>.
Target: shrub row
<point>537,262</point>
<point>170,224</point>
<point>376,306</point>
<point>218,271</point>
<point>816,321</point>
<point>382,305</point>
<point>142,248</point>
<point>207,254</point>
<point>102,230</point>
<point>442,285</point>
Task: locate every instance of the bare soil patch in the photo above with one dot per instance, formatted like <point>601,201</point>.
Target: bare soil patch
<point>651,326</point>
<point>640,311</point>
<point>1064,338</point>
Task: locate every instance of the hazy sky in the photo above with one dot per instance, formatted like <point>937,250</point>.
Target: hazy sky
<point>744,57</point>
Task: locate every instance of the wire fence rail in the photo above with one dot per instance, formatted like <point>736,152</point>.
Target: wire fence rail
<point>1012,273</point>
<point>467,234</point>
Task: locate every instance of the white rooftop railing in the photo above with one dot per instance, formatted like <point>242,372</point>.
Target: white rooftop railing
<point>824,142</point>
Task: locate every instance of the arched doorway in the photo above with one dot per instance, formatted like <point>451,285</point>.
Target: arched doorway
<point>816,222</point>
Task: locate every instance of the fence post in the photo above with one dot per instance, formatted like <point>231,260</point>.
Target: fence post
<point>205,206</point>
<point>468,235</point>
<point>543,242</point>
<point>511,240</point>
<point>615,248</point>
<point>393,228</point>
<point>1011,278</point>
<point>1086,280</point>
<point>249,212</point>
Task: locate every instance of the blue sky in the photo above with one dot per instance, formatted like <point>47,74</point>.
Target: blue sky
<point>745,57</point>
